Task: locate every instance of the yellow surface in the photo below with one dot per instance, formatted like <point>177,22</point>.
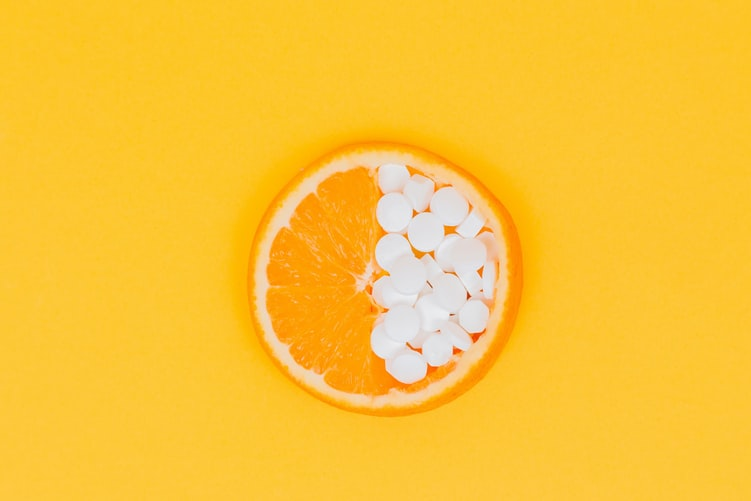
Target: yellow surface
<point>140,143</point>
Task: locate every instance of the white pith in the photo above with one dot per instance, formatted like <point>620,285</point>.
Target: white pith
<point>280,217</point>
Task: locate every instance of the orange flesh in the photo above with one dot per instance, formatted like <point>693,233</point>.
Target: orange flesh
<point>318,297</point>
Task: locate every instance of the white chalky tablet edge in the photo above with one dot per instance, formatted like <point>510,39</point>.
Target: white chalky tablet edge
<point>473,317</point>
<point>472,281</point>
<point>449,292</point>
<point>472,224</point>
<point>437,350</point>
<point>378,291</point>
<point>443,251</point>
<point>391,247</point>
<point>402,323</point>
<point>449,205</point>
<point>407,367</point>
<point>431,268</point>
<point>489,276</point>
<point>386,296</point>
<point>393,297</point>
<point>408,275</point>
<point>420,338</point>
<point>457,334</point>
<point>393,212</point>
<point>425,231</point>
<point>468,254</point>
<point>392,177</point>
<point>419,190</point>
<point>432,316</point>
<point>382,345</point>
<point>490,242</point>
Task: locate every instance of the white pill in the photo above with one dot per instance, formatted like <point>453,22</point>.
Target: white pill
<point>391,247</point>
<point>420,338</point>
<point>432,316</point>
<point>450,293</point>
<point>437,350</point>
<point>392,177</point>
<point>425,231</point>
<point>457,335</point>
<point>443,252</point>
<point>393,212</point>
<point>449,205</point>
<point>419,190</point>
<point>472,281</point>
<point>487,238</point>
<point>431,268</point>
<point>489,276</point>
<point>480,297</point>
<point>382,345</point>
<point>402,323</point>
<point>472,224</point>
<point>378,288</point>
<point>468,254</point>
<point>408,275</point>
<point>407,366</point>
<point>473,316</point>
<point>385,295</point>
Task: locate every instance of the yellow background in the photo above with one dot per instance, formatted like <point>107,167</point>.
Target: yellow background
<point>140,143</point>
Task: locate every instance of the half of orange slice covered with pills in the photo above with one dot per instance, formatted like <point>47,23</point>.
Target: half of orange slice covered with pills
<point>384,279</point>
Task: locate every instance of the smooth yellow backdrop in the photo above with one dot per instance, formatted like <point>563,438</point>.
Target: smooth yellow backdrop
<point>141,141</point>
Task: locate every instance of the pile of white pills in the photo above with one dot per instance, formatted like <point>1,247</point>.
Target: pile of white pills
<point>438,302</point>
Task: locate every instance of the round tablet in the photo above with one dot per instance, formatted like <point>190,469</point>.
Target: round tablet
<point>408,275</point>
<point>437,350</point>
<point>443,252</point>
<point>425,231</point>
<point>473,316</point>
<point>468,254</point>
<point>392,177</point>
<point>393,212</point>
<point>449,292</point>
<point>382,345</point>
<point>419,190</point>
<point>402,323</point>
<point>449,205</point>
<point>389,248</point>
<point>407,367</point>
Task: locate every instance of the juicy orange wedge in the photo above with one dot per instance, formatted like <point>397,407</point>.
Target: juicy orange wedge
<point>311,272</point>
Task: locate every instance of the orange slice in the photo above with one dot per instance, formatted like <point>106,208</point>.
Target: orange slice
<point>311,272</point>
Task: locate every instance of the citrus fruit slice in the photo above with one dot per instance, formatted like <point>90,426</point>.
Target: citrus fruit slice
<point>374,340</point>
